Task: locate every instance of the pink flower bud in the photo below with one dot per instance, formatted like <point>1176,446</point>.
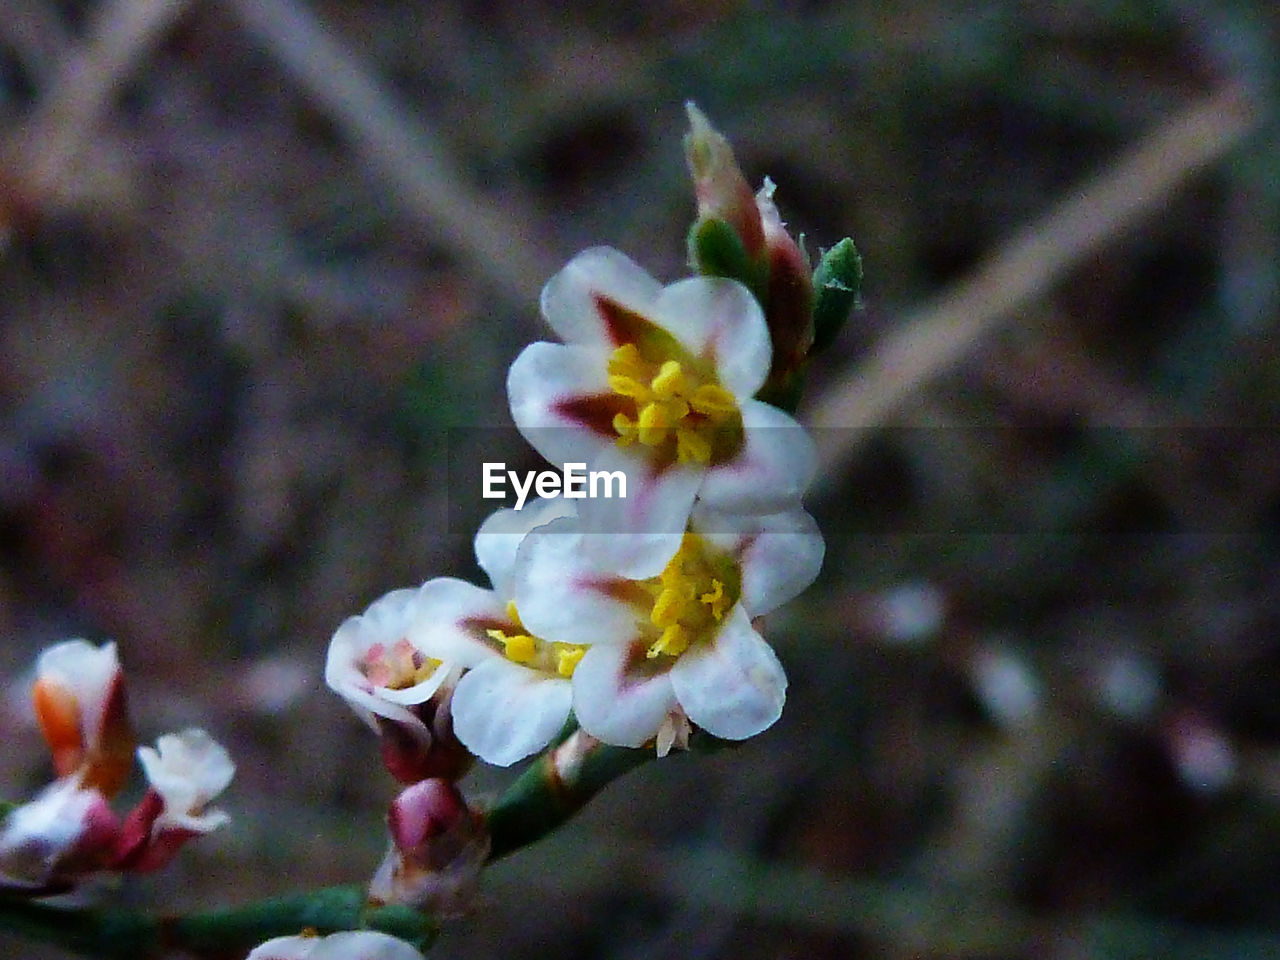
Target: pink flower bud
<point>789,301</point>
<point>47,843</point>
<point>722,191</point>
<point>438,848</point>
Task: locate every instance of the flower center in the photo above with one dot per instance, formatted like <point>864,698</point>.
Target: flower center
<point>691,596</point>
<point>530,651</point>
<point>397,667</point>
<point>673,403</point>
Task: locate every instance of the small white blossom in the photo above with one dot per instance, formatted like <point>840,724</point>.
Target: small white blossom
<point>188,770</point>
<point>679,645</point>
<point>515,695</point>
<point>657,382</point>
<point>348,945</point>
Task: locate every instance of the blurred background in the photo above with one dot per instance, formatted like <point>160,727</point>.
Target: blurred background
<point>265,261</point>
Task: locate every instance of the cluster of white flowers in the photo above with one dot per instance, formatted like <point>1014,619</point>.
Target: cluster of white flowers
<point>69,832</point>
<point>635,615</point>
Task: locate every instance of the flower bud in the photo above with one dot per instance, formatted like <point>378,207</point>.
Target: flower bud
<point>79,702</point>
<point>45,844</point>
<point>438,847</point>
<point>722,191</point>
<point>789,299</point>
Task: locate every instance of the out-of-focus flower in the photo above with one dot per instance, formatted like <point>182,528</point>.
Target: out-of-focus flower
<point>515,695</point>
<point>657,383</point>
<point>378,664</point>
<point>348,945</point>
<point>186,771</point>
<point>679,646</point>
<point>66,831</point>
<point>438,848</point>
<point>79,701</point>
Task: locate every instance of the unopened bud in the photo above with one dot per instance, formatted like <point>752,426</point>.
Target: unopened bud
<point>722,191</point>
<point>789,298</point>
<point>79,701</point>
<point>438,847</point>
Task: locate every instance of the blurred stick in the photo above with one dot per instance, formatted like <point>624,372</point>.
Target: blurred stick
<point>939,336</point>
<point>56,138</point>
<point>492,241</point>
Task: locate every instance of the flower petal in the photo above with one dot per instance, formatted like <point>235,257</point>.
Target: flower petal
<point>448,621</point>
<point>779,554</point>
<point>504,712</point>
<point>388,620</point>
<point>621,697</point>
<point>634,536</point>
<point>721,320</point>
<point>547,385</point>
<point>569,300</point>
<point>499,537</point>
<point>771,472</point>
<point>561,593</point>
<point>347,945</point>
<point>733,687</point>
<point>188,770</point>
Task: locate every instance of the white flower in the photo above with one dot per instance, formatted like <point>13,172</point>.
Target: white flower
<point>79,701</point>
<point>348,945</point>
<point>377,663</point>
<point>679,644</point>
<point>46,839</point>
<point>657,383</point>
<point>515,695</point>
<point>188,770</point>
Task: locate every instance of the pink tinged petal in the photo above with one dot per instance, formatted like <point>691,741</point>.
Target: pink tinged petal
<point>634,536</point>
<point>570,298</point>
<point>771,472</point>
<point>63,829</point>
<point>449,624</point>
<point>779,554</point>
<point>620,696</point>
<point>561,402</point>
<point>499,537</point>
<point>388,620</point>
<point>561,594</point>
<point>720,320</point>
<point>188,770</point>
<point>504,712</point>
<point>733,685</point>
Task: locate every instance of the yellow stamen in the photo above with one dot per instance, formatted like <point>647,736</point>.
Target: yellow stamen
<point>567,657</point>
<point>674,403</point>
<point>690,597</point>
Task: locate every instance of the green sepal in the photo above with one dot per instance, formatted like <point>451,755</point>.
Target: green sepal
<point>716,250</point>
<point>837,285</point>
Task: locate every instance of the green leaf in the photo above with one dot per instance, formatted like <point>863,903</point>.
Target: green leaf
<point>716,250</point>
<point>837,285</point>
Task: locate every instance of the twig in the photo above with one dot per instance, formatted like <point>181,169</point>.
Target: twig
<point>54,140</point>
<point>940,335</point>
<point>492,241</point>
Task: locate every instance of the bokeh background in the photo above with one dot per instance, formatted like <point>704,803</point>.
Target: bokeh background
<point>264,264</point>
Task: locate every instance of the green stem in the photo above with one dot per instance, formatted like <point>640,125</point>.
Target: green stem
<point>215,934</point>
<point>550,792</point>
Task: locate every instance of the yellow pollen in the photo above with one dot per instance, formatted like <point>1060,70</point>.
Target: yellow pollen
<point>690,597</point>
<point>567,657</point>
<point>677,407</point>
<point>528,650</point>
